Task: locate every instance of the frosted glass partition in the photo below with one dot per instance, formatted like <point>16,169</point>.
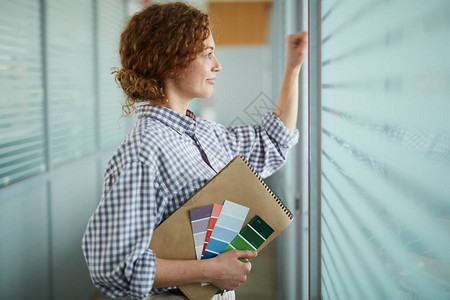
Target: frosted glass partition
<point>385,149</point>
<point>22,145</point>
<point>71,79</point>
<point>111,15</point>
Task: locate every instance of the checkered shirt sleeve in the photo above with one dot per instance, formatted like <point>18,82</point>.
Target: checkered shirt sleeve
<point>117,238</point>
<point>264,146</point>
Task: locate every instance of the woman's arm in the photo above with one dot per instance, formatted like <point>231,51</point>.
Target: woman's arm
<point>287,103</point>
<point>225,271</point>
<point>266,146</point>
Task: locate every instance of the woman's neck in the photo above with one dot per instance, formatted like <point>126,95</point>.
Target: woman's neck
<point>176,100</point>
<point>180,107</point>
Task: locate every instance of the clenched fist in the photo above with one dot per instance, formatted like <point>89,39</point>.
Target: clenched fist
<point>297,45</point>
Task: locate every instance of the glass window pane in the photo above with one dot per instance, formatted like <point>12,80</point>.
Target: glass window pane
<point>385,149</point>
<point>111,20</point>
<point>71,79</point>
<point>22,145</point>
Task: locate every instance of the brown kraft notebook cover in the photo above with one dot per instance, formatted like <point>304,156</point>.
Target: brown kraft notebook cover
<point>237,182</point>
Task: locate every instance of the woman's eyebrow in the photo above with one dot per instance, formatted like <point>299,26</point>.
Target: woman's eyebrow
<point>209,47</point>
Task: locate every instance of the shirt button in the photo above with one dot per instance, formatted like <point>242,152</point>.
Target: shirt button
<point>191,126</point>
<point>181,130</point>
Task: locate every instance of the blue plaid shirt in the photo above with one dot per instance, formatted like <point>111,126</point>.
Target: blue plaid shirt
<point>154,171</point>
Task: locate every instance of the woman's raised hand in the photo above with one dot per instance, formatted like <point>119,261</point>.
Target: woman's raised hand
<point>297,44</point>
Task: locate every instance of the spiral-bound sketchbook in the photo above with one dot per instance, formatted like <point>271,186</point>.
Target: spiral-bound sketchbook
<point>237,182</point>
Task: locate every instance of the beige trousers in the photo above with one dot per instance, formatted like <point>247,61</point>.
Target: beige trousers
<point>168,296</point>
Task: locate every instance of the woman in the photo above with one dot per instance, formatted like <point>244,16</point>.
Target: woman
<point>167,55</point>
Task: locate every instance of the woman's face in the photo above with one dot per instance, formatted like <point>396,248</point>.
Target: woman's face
<point>200,77</point>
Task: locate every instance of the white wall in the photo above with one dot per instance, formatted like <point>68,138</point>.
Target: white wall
<point>245,75</point>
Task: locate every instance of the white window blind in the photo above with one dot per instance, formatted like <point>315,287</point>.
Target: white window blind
<point>111,22</point>
<point>71,79</point>
<point>385,149</point>
<point>22,143</point>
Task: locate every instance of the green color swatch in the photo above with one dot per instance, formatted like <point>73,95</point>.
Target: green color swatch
<point>251,237</point>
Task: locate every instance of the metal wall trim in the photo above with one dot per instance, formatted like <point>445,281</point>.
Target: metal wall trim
<point>314,64</point>
<point>302,188</point>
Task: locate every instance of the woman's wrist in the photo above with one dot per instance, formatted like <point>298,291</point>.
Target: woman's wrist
<point>179,272</point>
<point>208,270</point>
<point>291,70</point>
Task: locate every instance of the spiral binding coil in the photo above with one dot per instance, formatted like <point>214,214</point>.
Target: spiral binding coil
<point>275,196</point>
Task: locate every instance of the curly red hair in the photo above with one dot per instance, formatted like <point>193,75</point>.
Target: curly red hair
<point>158,42</point>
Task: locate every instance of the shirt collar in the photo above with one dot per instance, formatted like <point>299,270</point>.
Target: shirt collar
<point>180,123</point>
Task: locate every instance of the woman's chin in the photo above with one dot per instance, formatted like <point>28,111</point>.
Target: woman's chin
<point>205,95</point>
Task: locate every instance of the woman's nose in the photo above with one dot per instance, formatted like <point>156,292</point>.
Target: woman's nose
<point>217,67</point>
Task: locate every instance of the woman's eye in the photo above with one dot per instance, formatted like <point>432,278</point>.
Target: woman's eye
<point>209,55</point>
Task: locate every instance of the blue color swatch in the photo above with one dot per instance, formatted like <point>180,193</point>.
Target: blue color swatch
<point>229,223</point>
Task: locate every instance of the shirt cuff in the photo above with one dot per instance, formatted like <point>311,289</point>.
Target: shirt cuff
<point>278,132</point>
<point>143,275</point>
